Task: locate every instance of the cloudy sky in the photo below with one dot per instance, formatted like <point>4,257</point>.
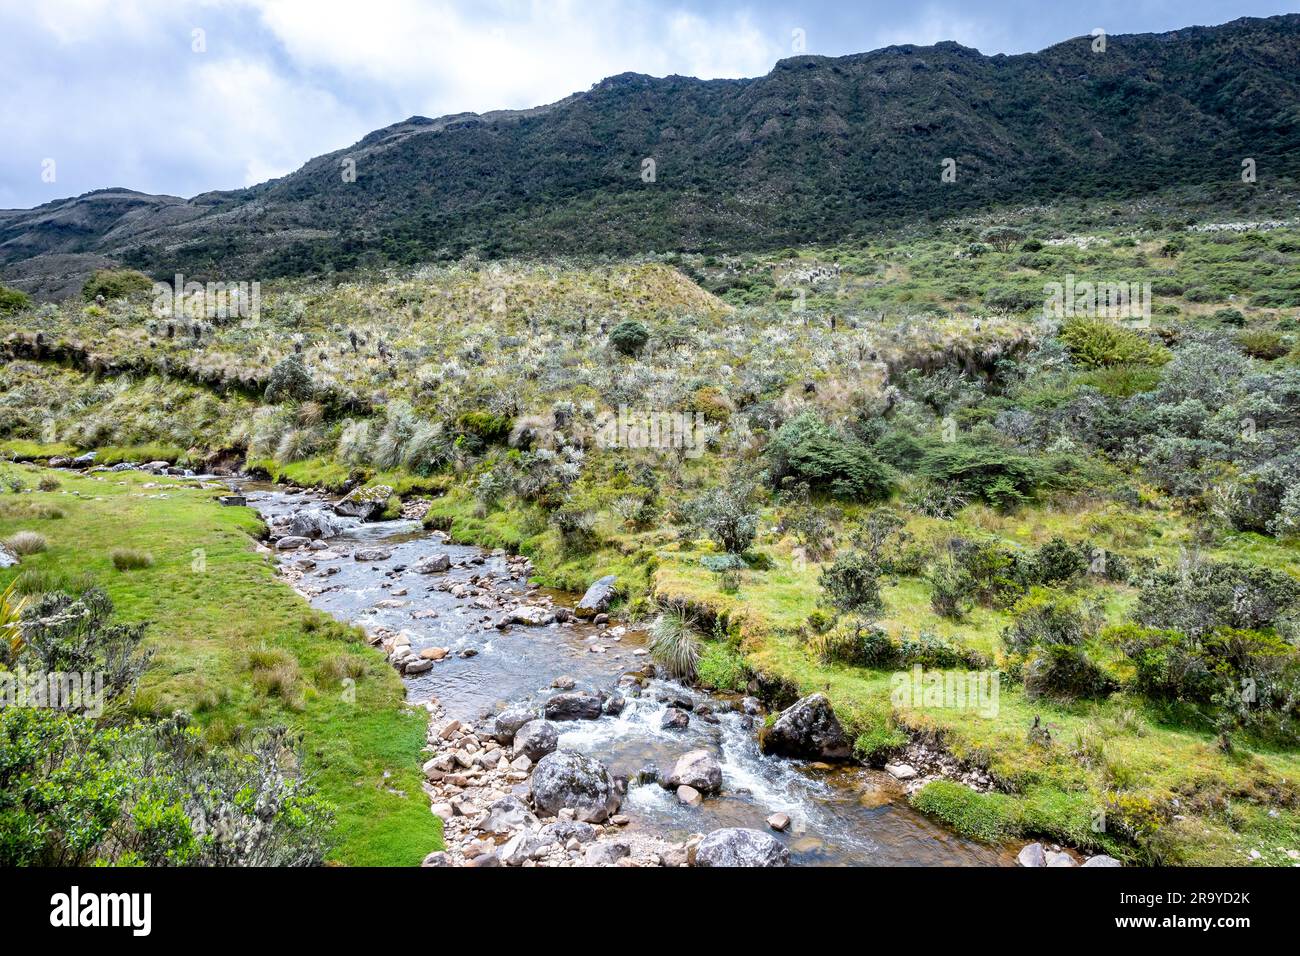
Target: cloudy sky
<point>183,96</point>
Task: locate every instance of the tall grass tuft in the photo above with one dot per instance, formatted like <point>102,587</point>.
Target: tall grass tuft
<point>674,644</point>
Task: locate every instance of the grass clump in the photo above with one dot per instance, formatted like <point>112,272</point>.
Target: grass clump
<point>27,543</point>
<point>674,644</point>
<point>130,559</point>
<point>991,817</point>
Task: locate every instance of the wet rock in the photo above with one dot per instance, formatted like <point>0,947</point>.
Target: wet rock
<point>7,558</point>
<point>417,665</point>
<point>434,653</point>
<point>529,615</point>
<point>372,554</point>
<point>740,846</point>
<point>697,769</point>
<point>437,858</point>
<point>292,543</point>
<point>536,739</point>
<point>606,854</point>
<point>689,796</point>
<point>647,775</point>
<point>1102,860</point>
<point>808,728</point>
<point>84,461</point>
<point>509,721</point>
<point>613,705</point>
<point>751,706</point>
<point>567,779</point>
<point>313,523</point>
<point>573,706</point>
<point>596,600</point>
<point>563,682</point>
<point>364,503</point>
<point>1059,859</point>
<point>674,719</point>
<point>779,822</point>
<point>1032,855</point>
<point>432,564</point>
<point>900,771</point>
<point>562,831</point>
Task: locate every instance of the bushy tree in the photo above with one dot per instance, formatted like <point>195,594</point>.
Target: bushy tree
<point>12,301</point>
<point>726,515</point>
<point>806,449</point>
<point>290,381</point>
<point>629,337</point>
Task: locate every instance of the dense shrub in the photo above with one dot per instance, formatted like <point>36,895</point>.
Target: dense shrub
<point>807,450</point>
<point>115,284</point>
<point>1059,562</point>
<point>290,381</point>
<point>1197,596</point>
<point>726,515</point>
<point>1097,343</point>
<point>1042,618</point>
<point>1064,672</point>
<point>985,471</point>
<point>12,301</point>
<point>629,337</point>
<point>851,583</point>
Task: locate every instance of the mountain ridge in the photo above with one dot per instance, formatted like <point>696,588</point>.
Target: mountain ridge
<point>819,147</point>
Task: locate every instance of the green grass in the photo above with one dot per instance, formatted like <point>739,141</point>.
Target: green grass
<point>363,753</point>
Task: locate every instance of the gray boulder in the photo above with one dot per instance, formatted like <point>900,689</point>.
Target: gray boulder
<point>536,739</point>
<point>505,816</point>
<point>7,558</point>
<point>510,720</point>
<point>562,831</point>
<point>1102,860</point>
<point>807,728</point>
<point>573,706</point>
<point>1032,854</point>
<point>364,503</point>
<point>432,564</point>
<point>570,779</point>
<point>674,718</point>
<point>292,543</point>
<point>740,846</point>
<point>372,554</point>
<point>596,600</point>
<point>606,854</point>
<point>313,523</point>
<point>696,769</point>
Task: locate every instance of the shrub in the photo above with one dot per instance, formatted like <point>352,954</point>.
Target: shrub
<point>806,449</point>
<point>129,559</point>
<point>115,284</point>
<point>985,471</point>
<point>725,514</point>
<point>629,337</point>
<point>1064,672</point>
<point>290,381</point>
<point>1198,596</point>
<point>674,644</point>
<point>13,301</point>
<point>1042,618</point>
<point>1097,343</point>
<point>27,542</point>
<point>852,583</point>
<point>1059,562</point>
<point>1262,344</point>
<point>854,645</point>
<point>1167,665</point>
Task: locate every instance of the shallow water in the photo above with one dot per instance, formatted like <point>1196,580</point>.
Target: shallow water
<point>841,816</point>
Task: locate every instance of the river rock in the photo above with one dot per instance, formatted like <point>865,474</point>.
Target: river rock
<point>364,503</point>
<point>900,771</point>
<point>696,769</point>
<point>292,543</point>
<point>1055,858</point>
<point>613,705</point>
<point>432,564</point>
<point>313,523</point>
<point>674,719</point>
<point>86,460</point>
<point>567,779</point>
<point>689,796</point>
<point>510,720</point>
<point>606,854</point>
<point>807,728</point>
<point>562,831</point>
<point>434,653</point>
<point>536,739</point>
<point>740,846</point>
<point>573,706</point>
<point>372,554</point>
<point>417,665</point>
<point>1032,855</point>
<point>780,822</point>
<point>596,600</point>
<point>505,816</point>
<point>530,615</point>
<point>1102,860</point>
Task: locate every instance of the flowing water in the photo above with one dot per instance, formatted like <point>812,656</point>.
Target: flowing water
<point>839,816</point>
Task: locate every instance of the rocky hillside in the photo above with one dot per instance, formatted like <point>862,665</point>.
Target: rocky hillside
<point>819,149</point>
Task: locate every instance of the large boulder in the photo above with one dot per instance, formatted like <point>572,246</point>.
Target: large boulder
<point>531,615</point>
<point>292,543</point>
<point>573,706</point>
<point>807,728</point>
<point>740,846</point>
<point>364,503</point>
<point>536,739</point>
<point>313,523</point>
<point>696,769</point>
<point>432,564</point>
<point>596,600</point>
<point>570,779</point>
<point>510,720</point>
